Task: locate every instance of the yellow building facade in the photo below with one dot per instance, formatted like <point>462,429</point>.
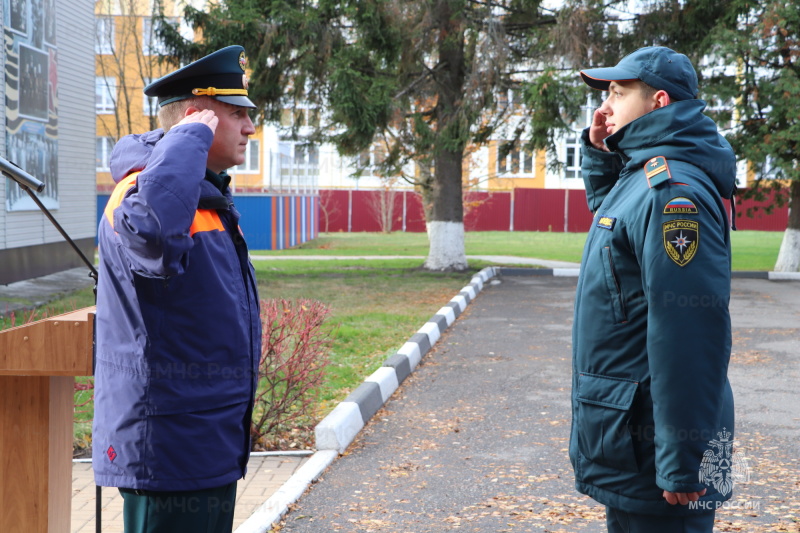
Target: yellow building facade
<point>129,56</point>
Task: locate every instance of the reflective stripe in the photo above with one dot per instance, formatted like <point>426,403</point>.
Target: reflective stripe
<point>118,195</point>
<point>206,220</point>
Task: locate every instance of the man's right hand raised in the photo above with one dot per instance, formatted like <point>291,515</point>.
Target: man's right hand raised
<point>204,116</point>
<point>598,131</point>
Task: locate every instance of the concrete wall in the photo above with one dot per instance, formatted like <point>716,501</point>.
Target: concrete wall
<point>29,244</point>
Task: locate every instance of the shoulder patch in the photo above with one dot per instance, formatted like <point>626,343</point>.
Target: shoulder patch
<point>657,171</point>
<point>680,206</point>
<point>606,222</point>
<point>681,240</point>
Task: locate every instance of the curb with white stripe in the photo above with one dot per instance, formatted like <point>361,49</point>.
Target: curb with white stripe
<point>337,430</point>
<point>340,427</point>
<point>272,510</point>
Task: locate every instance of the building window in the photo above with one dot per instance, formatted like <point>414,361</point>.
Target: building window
<point>511,97</point>
<point>149,103</point>
<point>250,157</point>
<point>517,163</point>
<point>151,42</point>
<point>572,161</point>
<point>299,116</point>
<point>572,142</point>
<point>369,161</point>
<point>105,92</point>
<point>104,146</point>
<point>104,35</point>
<point>299,163</point>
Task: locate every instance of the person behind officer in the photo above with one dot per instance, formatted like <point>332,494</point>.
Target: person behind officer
<point>652,413</point>
<point>178,327</point>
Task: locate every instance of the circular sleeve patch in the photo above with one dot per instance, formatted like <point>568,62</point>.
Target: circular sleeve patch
<point>681,240</point>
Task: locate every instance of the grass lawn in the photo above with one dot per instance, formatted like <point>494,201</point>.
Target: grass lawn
<point>556,246</point>
<point>378,304</point>
<point>375,307</point>
<point>752,250</point>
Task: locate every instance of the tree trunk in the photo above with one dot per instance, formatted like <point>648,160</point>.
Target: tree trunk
<point>445,215</point>
<point>789,254</point>
<point>445,209</point>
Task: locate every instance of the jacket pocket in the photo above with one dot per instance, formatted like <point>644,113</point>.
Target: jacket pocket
<point>614,290</point>
<point>604,405</point>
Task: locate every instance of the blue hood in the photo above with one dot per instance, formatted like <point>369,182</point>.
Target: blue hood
<point>680,132</point>
<point>132,153</point>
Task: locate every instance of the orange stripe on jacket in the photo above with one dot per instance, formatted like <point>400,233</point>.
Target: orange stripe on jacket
<point>118,195</point>
<point>204,219</point>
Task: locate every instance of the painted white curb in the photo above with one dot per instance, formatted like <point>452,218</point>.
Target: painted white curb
<point>566,272</point>
<point>783,276</point>
<point>431,329</point>
<point>469,289</point>
<point>411,350</point>
<point>386,378</point>
<point>272,510</point>
<point>448,314</point>
<point>339,428</point>
<point>460,301</point>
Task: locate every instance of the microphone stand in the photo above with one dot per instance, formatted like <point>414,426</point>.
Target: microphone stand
<point>26,183</point>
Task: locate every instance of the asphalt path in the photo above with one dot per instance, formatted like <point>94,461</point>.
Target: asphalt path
<point>476,438</point>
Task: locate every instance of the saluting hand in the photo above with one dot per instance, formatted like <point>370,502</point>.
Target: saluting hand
<point>598,131</point>
<point>204,116</point>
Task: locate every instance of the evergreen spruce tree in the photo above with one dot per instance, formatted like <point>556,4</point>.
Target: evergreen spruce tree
<point>425,79</point>
<point>430,79</point>
<point>761,47</point>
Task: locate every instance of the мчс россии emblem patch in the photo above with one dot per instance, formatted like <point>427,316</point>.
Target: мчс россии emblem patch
<point>681,239</point>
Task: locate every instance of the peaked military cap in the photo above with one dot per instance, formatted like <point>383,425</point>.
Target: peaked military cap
<point>220,75</point>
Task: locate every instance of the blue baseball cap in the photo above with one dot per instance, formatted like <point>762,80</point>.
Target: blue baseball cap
<point>220,75</point>
<point>657,66</point>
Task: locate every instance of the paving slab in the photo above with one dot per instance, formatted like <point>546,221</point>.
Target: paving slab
<point>265,475</point>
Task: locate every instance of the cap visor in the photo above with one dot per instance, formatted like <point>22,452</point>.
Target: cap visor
<point>241,101</point>
<point>600,78</point>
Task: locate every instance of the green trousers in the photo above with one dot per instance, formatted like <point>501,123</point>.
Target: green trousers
<point>622,522</point>
<point>194,511</point>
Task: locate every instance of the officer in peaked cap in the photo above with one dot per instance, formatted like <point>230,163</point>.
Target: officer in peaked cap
<point>178,334</point>
<point>220,75</point>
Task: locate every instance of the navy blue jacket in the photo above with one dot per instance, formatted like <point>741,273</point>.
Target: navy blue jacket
<point>651,401</point>
<point>178,325</point>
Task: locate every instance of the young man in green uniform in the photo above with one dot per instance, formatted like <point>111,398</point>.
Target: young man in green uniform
<point>652,421</point>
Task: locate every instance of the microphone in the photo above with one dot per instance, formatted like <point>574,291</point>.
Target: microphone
<point>20,176</point>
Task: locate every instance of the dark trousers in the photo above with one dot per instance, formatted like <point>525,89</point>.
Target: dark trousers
<point>194,511</point>
<point>622,522</point>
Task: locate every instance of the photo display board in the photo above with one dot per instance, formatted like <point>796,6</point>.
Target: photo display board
<point>31,98</point>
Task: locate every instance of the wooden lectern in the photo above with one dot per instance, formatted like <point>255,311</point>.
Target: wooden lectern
<point>38,365</point>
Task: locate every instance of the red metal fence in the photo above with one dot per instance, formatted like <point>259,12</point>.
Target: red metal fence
<point>556,210</point>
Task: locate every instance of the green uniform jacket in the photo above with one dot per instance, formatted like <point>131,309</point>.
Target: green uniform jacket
<point>651,403</point>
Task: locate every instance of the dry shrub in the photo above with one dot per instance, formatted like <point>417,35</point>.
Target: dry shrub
<point>294,354</point>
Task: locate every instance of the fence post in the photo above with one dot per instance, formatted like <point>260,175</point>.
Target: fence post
<point>405,209</point>
<point>511,214</point>
<point>566,210</point>
<point>350,211</point>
